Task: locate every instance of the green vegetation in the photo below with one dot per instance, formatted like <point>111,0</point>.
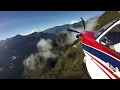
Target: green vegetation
<point>107,17</point>
<point>69,65</point>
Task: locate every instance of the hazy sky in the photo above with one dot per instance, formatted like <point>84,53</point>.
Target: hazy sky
<point>25,22</point>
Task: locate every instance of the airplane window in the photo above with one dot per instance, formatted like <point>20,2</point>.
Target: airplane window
<point>112,38</point>
<point>114,35</point>
<point>101,30</point>
<point>97,34</point>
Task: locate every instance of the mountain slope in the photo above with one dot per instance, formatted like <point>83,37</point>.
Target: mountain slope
<point>106,18</point>
<point>70,65</point>
<point>57,30</point>
<point>14,50</point>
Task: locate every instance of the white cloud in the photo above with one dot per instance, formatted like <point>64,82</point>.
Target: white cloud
<point>44,50</point>
<point>74,21</point>
<point>34,30</point>
<point>47,54</point>
<point>59,24</point>
<point>91,23</point>
<point>44,44</point>
<point>45,47</point>
<point>30,62</point>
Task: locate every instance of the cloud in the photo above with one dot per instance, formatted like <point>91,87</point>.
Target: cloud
<point>90,24</point>
<point>47,54</point>
<point>74,21</point>
<point>30,61</point>
<point>71,37</point>
<point>45,47</point>
<point>44,44</point>
<point>59,24</point>
<point>44,50</point>
<point>34,30</point>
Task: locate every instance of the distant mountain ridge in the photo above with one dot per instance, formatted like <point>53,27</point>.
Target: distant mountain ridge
<point>59,29</point>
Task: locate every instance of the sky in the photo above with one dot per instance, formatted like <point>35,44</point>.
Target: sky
<point>26,22</point>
